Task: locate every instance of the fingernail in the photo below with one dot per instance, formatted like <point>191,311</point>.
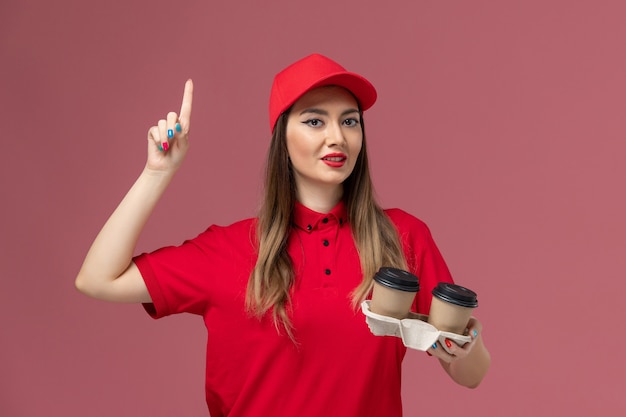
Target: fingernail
<point>166,146</point>
<point>170,133</point>
<point>161,148</point>
<point>475,333</point>
<point>435,345</point>
<point>178,128</point>
<point>448,343</point>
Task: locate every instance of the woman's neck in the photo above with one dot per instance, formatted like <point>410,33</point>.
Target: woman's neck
<point>320,199</point>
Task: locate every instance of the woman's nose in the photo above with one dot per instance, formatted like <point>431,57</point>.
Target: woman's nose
<point>334,134</point>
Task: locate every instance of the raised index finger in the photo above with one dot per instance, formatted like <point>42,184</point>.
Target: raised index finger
<point>185,108</point>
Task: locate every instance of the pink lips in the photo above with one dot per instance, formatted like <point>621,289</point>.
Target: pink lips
<point>335,160</point>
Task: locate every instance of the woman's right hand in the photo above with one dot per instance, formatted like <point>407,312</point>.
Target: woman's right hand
<point>108,272</point>
<point>168,141</point>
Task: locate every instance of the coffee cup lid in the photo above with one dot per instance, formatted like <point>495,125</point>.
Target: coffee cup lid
<point>455,294</point>
<point>397,279</point>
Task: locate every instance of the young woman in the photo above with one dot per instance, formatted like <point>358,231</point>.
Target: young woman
<point>279,293</point>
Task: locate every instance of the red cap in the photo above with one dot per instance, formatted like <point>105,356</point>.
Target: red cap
<point>315,71</point>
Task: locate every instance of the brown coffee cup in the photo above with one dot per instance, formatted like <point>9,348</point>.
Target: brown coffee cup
<point>451,308</point>
<point>393,293</point>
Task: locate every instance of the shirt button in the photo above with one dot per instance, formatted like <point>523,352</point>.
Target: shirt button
<point>327,272</point>
<point>309,227</point>
<point>325,220</point>
<point>325,243</point>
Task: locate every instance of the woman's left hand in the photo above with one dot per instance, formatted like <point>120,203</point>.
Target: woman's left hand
<point>457,352</point>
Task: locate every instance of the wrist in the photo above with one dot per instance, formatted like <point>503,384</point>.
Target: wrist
<point>157,174</point>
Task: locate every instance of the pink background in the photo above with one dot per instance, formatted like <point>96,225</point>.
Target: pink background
<point>499,123</point>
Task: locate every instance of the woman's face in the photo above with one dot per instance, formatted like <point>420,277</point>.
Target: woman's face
<point>324,138</point>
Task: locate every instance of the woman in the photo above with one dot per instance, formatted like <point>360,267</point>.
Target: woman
<point>279,294</point>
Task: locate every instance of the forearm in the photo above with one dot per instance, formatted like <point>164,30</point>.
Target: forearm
<point>470,370</point>
<point>112,250</point>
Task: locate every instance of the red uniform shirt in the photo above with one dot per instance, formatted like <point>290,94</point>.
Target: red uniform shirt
<point>337,367</point>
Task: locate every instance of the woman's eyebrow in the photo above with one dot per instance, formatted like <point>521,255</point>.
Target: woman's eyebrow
<point>325,113</point>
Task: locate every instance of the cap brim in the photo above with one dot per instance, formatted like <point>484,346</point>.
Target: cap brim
<point>362,89</point>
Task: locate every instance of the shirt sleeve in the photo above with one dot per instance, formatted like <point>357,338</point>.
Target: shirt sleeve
<point>186,278</point>
<point>423,256</point>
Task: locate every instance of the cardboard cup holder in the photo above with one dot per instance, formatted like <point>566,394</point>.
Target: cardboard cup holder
<point>415,331</point>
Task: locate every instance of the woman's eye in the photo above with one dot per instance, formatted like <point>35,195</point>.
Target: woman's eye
<point>351,122</point>
<point>313,122</point>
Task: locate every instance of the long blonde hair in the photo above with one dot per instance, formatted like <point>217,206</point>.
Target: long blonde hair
<point>375,236</point>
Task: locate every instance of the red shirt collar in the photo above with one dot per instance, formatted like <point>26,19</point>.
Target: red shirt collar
<point>309,220</point>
